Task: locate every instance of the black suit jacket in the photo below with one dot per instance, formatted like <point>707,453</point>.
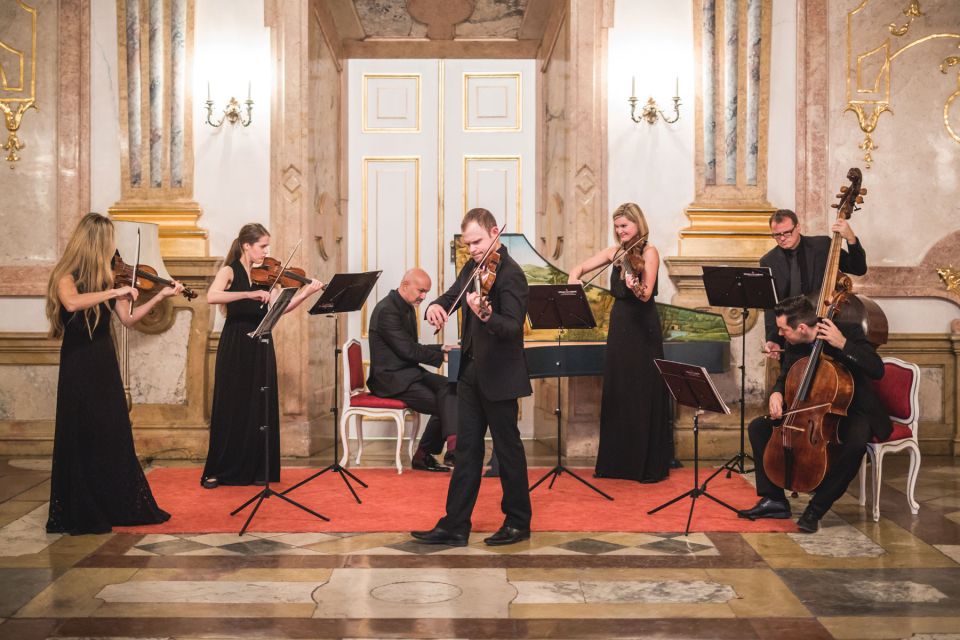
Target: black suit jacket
<point>395,352</point>
<point>861,360</point>
<point>813,254</point>
<point>496,345</point>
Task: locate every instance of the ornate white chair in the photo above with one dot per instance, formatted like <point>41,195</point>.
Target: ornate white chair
<point>359,404</point>
<point>898,391</point>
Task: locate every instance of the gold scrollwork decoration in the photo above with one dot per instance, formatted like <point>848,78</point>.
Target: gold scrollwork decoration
<point>868,122</point>
<point>950,61</point>
<point>951,278</point>
<point>14,107</point>
<point>912,11</point>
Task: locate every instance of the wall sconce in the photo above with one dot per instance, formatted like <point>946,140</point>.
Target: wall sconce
<point>651,111</point>
<point>231,113</point>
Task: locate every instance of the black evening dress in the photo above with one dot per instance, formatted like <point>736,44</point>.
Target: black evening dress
<point>636,442</point>
<point>244,365</point>
<point>97,481</point>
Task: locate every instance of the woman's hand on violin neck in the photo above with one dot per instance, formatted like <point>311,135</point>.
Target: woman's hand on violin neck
<point>776,405</point>
<point>574,279</point>
<point>314,286</point>
<point>172,290</point>
<point>259,295</point>
<point>436,316</point>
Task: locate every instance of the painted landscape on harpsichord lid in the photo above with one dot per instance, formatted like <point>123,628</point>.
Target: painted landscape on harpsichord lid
<point>678,324</point>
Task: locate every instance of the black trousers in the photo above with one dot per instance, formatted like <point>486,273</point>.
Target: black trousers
<point>475,413</point>
<point>854,432</point>
<point>433,395</point>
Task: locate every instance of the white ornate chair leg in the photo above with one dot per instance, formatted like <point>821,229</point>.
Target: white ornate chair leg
<point>398,419</point>
<point>345,438</point>
<point>358,420</point>
<point>877,473</point>
<point>414,432</point>
<point>863,480</point>
<point>912,478</point>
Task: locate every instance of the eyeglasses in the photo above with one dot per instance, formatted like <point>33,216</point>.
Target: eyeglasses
<point>783,234</point>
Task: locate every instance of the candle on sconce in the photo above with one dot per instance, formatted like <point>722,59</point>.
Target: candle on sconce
<point>676,91</point>
<point>208,91</point>
<point>633,86</point>
<point>249,84</point>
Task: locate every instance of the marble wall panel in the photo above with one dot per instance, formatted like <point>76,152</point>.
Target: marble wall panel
<point>29,187</point>
<point>158,363</point>
<point>28,392</point>
<point>931,394</point>
<point>916,168</point>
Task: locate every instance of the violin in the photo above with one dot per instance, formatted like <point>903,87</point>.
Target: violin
<point>490,277</point>
<point>483,279</point>
<point>635,259</point>
<point>147,279</point>
<point>268,274</point>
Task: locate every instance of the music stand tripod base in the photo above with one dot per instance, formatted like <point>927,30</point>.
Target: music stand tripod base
<point>344,293</point>
<point>262,335</point>
<point>691,386</point>
<point>560,307</point>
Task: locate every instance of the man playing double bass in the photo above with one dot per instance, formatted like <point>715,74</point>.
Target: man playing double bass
<point>798,324</point>
<point>798,263</point>
<point>492,376</point>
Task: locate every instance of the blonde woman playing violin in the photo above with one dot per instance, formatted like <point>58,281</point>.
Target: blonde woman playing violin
<point>636,442</point>
<point>96,481</point>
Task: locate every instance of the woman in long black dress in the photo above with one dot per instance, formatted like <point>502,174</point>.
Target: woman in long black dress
<point>235,452</point>
<point>635,437</point>
<point>97,481</point>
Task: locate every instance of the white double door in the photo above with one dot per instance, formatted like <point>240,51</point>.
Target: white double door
<point>427,141</point>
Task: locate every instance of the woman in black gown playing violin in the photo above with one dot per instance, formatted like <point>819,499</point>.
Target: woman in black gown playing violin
<point>635,438</point>
<point>235,452</point>
<point>96,481</point>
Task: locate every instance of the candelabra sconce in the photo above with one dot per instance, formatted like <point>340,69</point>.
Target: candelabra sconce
<point>651,111</point>
<point>232,113</point>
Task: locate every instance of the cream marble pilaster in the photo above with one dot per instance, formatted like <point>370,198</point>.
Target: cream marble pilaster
<point>571,193</point>
<point>305,193</point>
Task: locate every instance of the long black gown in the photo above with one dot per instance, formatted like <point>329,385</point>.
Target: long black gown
<point>97,481</point>
<point>235,452</point>
<point>635,435</point>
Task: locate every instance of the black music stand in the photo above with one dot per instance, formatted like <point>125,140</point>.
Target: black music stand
<point>262,335</point>
<point>691,386</point>
<point>744,288</point>
<point>560,307</point>
<point>344,293</point>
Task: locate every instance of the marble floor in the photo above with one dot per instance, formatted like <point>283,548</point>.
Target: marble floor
<point>897,578</point>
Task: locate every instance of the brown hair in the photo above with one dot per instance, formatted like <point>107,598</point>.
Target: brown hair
<point>249,234</point>
<point>481,216</point>
<point>783,214</point>
<point>634,214</point>
<point>86,258</point>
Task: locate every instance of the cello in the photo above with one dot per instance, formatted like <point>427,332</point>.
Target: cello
<point>818,390</point>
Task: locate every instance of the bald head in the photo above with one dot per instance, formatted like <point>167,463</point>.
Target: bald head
<point>414,286</point>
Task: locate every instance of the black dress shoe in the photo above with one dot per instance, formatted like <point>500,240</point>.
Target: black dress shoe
<point>767,508</point>
<point>450,459</point>
<point>809,522</point>
<point>507,535</point>
<point>428,463</point>
<point>438,535</point>
<point>209,483</point>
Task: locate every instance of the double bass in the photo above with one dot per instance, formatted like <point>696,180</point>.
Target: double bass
<point>818,390</point>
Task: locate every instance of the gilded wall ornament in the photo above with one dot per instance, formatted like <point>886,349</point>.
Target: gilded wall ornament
<point>869,78</point>
<point>951,278</point>
<point>18,85</point>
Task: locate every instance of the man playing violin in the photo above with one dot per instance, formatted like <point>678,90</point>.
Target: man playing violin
<point>493,375</point>
<point>798,263</point>
<point>798,324</point>
<point>395,371</point>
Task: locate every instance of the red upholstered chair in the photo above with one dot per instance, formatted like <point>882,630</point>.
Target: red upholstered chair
<point>898,390</point>
<point>360,404</point>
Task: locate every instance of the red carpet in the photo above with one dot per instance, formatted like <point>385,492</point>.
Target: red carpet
<point>415,500</point>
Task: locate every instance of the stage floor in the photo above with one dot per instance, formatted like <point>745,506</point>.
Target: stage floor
<point>897,578</point>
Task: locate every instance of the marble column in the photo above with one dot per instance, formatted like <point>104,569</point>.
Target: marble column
<point>156,125</point>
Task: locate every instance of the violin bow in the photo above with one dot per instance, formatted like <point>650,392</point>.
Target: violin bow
<point>136,265</point>
<point>620,252</point>
<point>476,270</point>
<point>283,268</point>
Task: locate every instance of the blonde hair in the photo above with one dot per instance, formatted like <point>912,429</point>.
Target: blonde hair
<point>86,258</point>
<point>634,214</point>
<point>249,234</point>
